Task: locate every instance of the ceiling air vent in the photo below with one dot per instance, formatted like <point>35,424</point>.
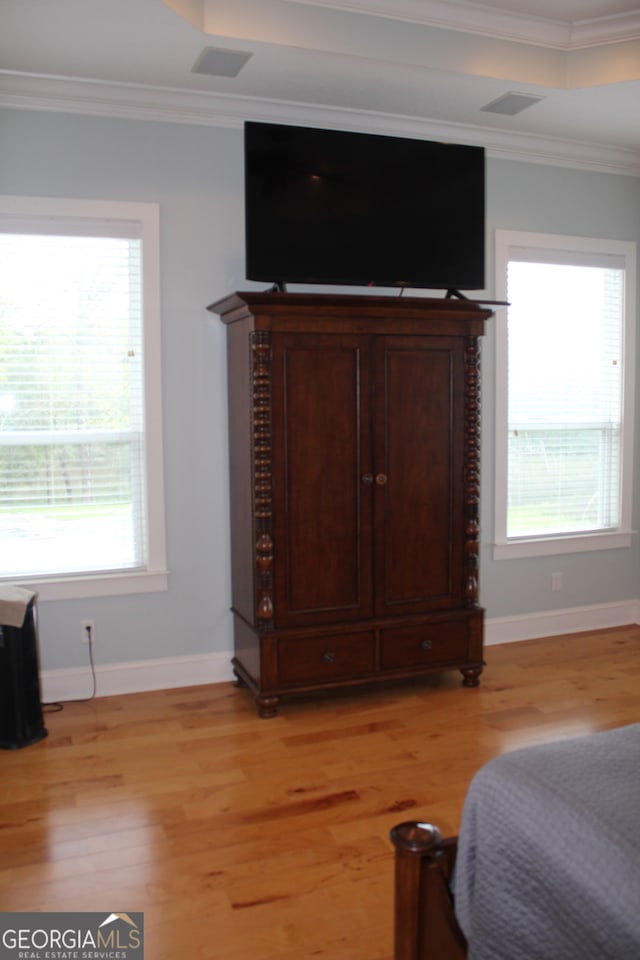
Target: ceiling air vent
<point>511,103</point>
<point>216,62</point>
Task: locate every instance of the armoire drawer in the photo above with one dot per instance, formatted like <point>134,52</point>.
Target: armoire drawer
<point>325,658</point>
<point>423,644</point>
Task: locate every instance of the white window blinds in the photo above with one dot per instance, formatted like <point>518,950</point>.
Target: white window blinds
<point>565,359</point>
<point>72,415</point>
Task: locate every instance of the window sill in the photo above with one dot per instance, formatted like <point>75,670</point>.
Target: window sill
<point>105,585</point>
<point>518,549</point>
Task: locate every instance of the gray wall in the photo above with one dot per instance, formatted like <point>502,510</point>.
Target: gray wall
<point>195,174</point>
<point>552,200</point>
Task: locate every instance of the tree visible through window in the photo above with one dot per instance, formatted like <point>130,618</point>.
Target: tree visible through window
<point>72,400</point>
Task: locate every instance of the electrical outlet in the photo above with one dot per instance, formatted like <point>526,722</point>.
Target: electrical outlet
<point>88,631</point>
<point>556,582</point>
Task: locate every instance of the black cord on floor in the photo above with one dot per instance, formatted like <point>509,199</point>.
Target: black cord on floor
<point>57,706</point>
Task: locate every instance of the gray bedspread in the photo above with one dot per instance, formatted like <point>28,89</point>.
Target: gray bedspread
<point>548,864</point>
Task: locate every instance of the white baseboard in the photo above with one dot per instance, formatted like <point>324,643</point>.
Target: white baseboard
<point>115,678</point>
<point>76,683</point>
<point>551,623</point>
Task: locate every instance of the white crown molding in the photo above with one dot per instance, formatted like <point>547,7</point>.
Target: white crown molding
<point>136,102</point>
<point>594,33</point>
<point>468,18</point>
<point>488,21</point>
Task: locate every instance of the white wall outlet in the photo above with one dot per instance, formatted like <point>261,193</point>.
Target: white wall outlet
<point>556,582</point>
<point>88,631</point>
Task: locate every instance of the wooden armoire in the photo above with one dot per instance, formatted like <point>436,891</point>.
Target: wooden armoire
<point>354,452</point>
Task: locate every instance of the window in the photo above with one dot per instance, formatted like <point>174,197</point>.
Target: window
<point>564,398</point>
<point>80,430</point>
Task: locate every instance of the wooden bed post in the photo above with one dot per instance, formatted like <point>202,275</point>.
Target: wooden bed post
<point>425,922</point>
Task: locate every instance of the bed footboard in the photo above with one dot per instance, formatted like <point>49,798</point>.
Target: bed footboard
<point>425,923</point>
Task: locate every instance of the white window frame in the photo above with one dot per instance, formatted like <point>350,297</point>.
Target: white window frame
<point>514,548</point>
<point>155,575</point>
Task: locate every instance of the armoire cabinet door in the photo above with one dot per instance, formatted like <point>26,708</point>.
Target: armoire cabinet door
<point>322,470</point>
<point>418,468</point>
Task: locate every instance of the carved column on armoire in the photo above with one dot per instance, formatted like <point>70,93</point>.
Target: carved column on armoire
<point>471,469</point>
<point>261,438</point>
<point>471,675</point>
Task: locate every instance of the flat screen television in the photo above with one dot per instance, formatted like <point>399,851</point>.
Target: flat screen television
<point>335,207</point>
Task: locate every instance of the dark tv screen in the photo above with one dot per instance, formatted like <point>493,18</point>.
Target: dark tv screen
<point>328,206</point>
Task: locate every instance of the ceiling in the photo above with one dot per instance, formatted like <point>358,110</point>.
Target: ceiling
<point>412,67</point>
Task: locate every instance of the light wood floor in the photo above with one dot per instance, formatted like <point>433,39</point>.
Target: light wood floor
<point>248,838</point>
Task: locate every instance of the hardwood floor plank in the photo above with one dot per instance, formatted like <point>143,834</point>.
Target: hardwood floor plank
<point>246,838</point>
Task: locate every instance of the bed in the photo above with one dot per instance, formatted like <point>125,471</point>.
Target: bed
<point>546,865</point>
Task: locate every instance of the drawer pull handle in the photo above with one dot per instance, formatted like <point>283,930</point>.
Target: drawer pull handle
<point>328,657</point>
<point>367,478</point>
<point>381,479</point>
<point>426,645</point>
